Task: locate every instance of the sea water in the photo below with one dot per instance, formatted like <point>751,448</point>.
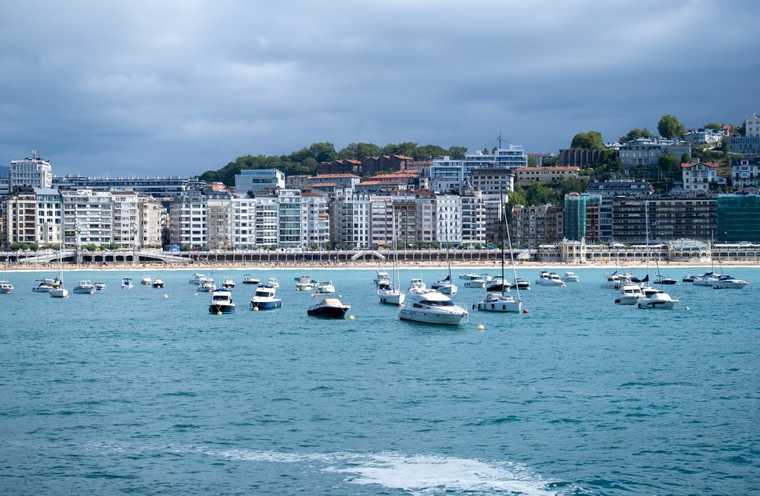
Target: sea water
<point>142,391</point>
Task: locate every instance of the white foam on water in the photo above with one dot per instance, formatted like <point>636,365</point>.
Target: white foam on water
<point>416,474</point>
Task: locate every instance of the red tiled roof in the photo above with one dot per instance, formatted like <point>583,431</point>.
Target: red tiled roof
<point>334,176</point>
<point>711,165</point>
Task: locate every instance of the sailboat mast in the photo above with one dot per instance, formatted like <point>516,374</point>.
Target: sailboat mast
<point>503,227</point>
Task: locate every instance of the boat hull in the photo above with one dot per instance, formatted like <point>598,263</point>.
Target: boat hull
<point>327,312</point>
<point>657,305</point>
<point>266,305</point>
<point>59,293</point>
<point>216,308</point>
<point>392,299</point>
<point>426,317</point>
<point>84,290</point>
<point>627,300</point>
<point>500,306</point>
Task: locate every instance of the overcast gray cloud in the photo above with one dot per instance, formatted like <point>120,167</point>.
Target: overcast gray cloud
<point>179,87</point>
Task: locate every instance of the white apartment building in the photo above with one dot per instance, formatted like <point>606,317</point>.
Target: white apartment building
<point>244,223</point>
<point>450,175</point>
<point>126,228</point>
<point>493,181</point>
<point>87,218</point>
<point>152,218</point>
<point>349,222</point>
<point>257,181</point>
<point>426,220</point>
<point>697,176</point>
<point>189,228</point>
<point>267,222</point>
<point>448,219</point>
<point>752,126</point>
<point>290,218</point>
<point>21,218</point>
<point>31,171</point>
<point>219,223</point>
<point>380,221</point>
<point>49,217</point>
<point>473,218</point>
<point>315,221</point>
<point>745,172</point>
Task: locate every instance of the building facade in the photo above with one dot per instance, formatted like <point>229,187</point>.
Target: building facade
<point>738,216</point>
<point>259,181</point>
<point>700,176</point>
<point>32,172</point>
<point>537,225</point>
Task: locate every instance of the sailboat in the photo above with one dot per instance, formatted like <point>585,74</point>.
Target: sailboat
<point>59,291</point>
<point>446,285</point>
<point>500,301</point>
<point>5,286</point>
<point>390,294</point>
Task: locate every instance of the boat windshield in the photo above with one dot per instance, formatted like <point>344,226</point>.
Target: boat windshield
<point>441,303</point>
<point>263,293</point>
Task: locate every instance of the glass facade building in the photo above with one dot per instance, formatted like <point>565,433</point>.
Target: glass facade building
<point>738,218</point>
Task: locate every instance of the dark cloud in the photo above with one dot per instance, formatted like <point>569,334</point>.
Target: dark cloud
<point>179,87</point>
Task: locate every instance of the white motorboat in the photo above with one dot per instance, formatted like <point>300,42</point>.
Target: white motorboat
<point>499,285</point>
<point>146,281</point>
<point>84,287</point>
<point>499,302</point>
<point>228,284</point>
<point>329,308</point>
<point>550,279</point>
<point>126,283</point>
<point>6,287</point>
<point>417,285</point>
<point>158,283</point>
<point>207,286</point>
<point>629,295</point>
<point>570,277</point>
<point>445,286</point>
<point>706,279</point>
<point>305,285</point>
<point>522,284</point>
<point>617,280</point>
<point>221,302</point>
<point>249,279</point>
<point>45,285</point>
<point>391,296</point>
<point>196,279</point>
<point>59,292</point>
<point>729,282</point>
<point>265,298</point>
<point>99,286</point>
<point>657,300</point>
<point>477,283</point>
<point>382,278</point>
<point>324,287</point>
<point>303,279</point>
<point>273,282</point>
<point>665,281</point>
<point>431,307</point>
<point>470,277</point>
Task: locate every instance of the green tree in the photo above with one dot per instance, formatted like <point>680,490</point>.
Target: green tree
<point>591,140</point>
<point>457,152</point>
<point>715,126</point>
<point>634,134</point>
<point>359,151</point>
<point>670,127</point>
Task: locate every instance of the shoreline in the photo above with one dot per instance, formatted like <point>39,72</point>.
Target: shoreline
<point>153,267</point>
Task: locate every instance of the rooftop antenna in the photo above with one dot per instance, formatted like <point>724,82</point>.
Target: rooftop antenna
<point>499,140</point>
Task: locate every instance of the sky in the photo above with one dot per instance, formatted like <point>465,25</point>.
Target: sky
<point>179,87</point>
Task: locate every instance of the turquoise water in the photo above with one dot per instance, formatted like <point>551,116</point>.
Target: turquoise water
<point>126,391</point>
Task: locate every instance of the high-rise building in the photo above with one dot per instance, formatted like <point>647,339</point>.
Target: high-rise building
<point>581,217</point>
<point>32,172</point>
<point>219,222</point>
<point>152,220</point>
<point>738,216</point>
<point>188,226</point>
<point>473,218</point>
<point>349,221</point>
<point>536,225</point>
<point>290,218</point>
<point>448,219</point>
<point>315,221</point>
<point>87,218</point>
<point>126,221</point>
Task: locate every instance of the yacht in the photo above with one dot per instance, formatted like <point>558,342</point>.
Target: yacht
<point>470,277</point>
<point>629,295</point>
<point>329,308</point>
<point>305,285</point>
<point>6,287</point>
<point>477,283</point>
<point>657,300</point>
<point>522,284</point>
<point>228,284</point>
<point>126,283</point>
<point>324,287</point>
<point>265,298</point>
<point>391,296</point>
<point>196,279</point>
<point>207,286</point>
<point>273,282</point>
<point>431,307</point>
<point>99,286</point>
<point>570,277</point>
<point>498,285</point>
<point>249,279</point>
<point>617,280</point>
<point>729,282</point>
<point>221,302</point>
<point>688,278</point>
<point>59,292</point>
<point>499,302</point>
<point>302,279</point>
<point>158,283</point>
<point>417,285</point>
<point>445,286</point>
<point>382,278</point>
<point>45,285</point>
<point>84,287</point>
<point>550,279</point>
<point>706,279</point>
<point>146,281</point>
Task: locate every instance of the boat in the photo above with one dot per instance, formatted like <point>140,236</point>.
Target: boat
<point>146,281</point>
<point>475,283</point>
<point>56,289</point>
<point>417,285</point>
<point>657,300</point>
<point>249,279</point>
<point>305,285</point>
<point>664,281</point>
<point>730,282</point>
<point>445,286</point>
<point>99,286</point>
<point>498,285</point>
<point>688,278</point>
<point>196,279</point>
<point>617,280</point>
<point>221,302</point>
<point>570,277</point>
<point>45,285</point>
<point>390,293</point>
<point>550,279</point>
<point>158,283</point>
<point>470,277</point>
<point>303,279</point>
<point>629,295</point>
<point>431,307</point>
<point>228,284</point>
<point>84,287</point>
<point>500,301</point>
<point>706,279</point>
<point>273,282</point>
<point>329,308</point>
<point>207,286</point>
<point>6,287</point>
<point>265,298</point>
<point>324,287</point>
<point>126,283</point>
<point>522,284</point>
<point>381,277</point>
